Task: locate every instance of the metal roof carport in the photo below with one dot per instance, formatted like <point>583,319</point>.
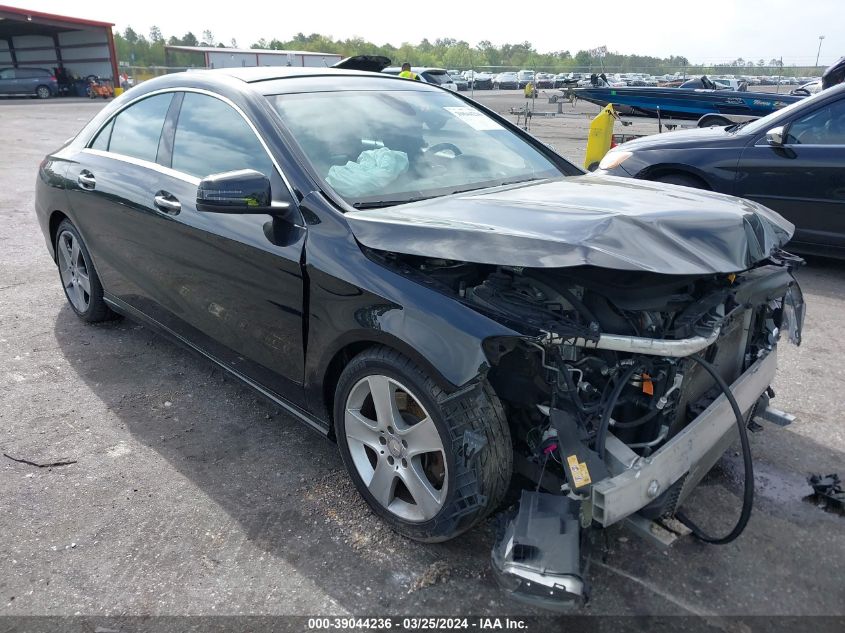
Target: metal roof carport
<point>218,57</point>
<point>32,39</point>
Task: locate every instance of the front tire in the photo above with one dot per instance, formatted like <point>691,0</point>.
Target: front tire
<point>429,465</point>
<point>81,284</point>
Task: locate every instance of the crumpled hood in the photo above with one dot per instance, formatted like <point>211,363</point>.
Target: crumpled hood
<point>582,220</point>
<point>692,137</point>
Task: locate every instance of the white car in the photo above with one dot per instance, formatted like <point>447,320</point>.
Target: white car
<point>733,84</point>
<point>436,76</point>
<point>525,77</point>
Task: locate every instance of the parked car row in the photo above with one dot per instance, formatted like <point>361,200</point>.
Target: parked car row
<point>478,80</point>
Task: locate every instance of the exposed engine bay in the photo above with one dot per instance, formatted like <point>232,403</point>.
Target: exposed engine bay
<point>622,390</point>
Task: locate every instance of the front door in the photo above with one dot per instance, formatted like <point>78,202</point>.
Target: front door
<point>803,179</point>
<point>8,83</point>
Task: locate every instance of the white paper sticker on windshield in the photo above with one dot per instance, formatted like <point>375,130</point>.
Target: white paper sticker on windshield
<point>473,118</point>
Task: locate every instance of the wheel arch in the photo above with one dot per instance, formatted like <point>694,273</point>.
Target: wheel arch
<point>354,343</point>
<point>653,172</point>
<point>56,218</point>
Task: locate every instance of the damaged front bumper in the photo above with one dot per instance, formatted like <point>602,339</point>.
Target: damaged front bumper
<point>688,456</point>
<point>537,558</point>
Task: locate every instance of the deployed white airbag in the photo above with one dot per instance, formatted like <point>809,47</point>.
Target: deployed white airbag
<point>374,170</point>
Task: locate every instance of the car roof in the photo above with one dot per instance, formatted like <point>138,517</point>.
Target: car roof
<point>251,82</point>
<point>254,74</point>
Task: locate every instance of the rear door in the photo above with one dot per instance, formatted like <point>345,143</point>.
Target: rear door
<point>108,189</point>
<point>804,179</point>
<point>28,79</point>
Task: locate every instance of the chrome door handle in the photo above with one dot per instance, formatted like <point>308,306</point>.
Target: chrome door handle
<point>86,180</point>
<point>167,203</point>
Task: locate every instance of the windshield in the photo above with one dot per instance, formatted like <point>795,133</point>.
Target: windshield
<point>766,123</point>
<point>391,147</point>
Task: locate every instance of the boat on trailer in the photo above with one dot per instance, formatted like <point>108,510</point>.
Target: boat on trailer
<point>687,103</point>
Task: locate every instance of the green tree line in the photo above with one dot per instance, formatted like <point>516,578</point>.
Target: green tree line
<point>137,49</point>
<point>148,50</point>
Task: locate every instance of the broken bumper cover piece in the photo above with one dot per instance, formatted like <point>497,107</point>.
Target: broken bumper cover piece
<point>637,481</point>
<point>537,559</point>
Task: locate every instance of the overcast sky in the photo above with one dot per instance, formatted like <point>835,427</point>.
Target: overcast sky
<point>715,30</point>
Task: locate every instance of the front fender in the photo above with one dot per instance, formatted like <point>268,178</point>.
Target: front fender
<point>353,300</point>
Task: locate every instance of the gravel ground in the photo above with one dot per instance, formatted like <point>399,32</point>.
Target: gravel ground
<point>189,494</point>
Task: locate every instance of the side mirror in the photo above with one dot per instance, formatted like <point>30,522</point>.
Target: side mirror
<point>775,136</point>
<point>243,191</point>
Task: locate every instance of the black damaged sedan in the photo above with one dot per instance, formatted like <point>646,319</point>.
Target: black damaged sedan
<point>457,306</point>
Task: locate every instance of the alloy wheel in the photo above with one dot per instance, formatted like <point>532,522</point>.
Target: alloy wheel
<point>43,92</point>
<point>396,448</point>
<point>73,268</point>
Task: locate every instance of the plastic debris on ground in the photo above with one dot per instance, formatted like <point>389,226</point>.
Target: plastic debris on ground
<point>828,490</point>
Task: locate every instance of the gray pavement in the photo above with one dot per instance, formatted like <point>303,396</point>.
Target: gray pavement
<point>191,495</point>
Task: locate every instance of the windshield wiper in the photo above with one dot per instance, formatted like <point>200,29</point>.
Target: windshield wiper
<point>516,181</point>
<point>736,126</point>
<point>490,185</point>
<point>380,204</point>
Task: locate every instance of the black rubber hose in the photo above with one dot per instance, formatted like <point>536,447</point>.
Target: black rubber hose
<point>748,492</point>
<point>579,306</point>
<point>601,434</point>
<point>638,422</point>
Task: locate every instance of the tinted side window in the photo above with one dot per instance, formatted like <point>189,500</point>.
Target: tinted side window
<point>825,126</point>
<point>102,140</point>
<point>211,137</point>
<point>136,130</point>
<point>7,73</point>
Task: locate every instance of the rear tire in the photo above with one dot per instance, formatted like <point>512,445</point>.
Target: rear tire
<point>682,179</point>
<point>80,281</point>
<point>43,92</point>
<point>459,448</point>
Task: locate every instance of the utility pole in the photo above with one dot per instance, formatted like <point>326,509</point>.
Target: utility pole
<point>471,76</point>
<point>821,37</point>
